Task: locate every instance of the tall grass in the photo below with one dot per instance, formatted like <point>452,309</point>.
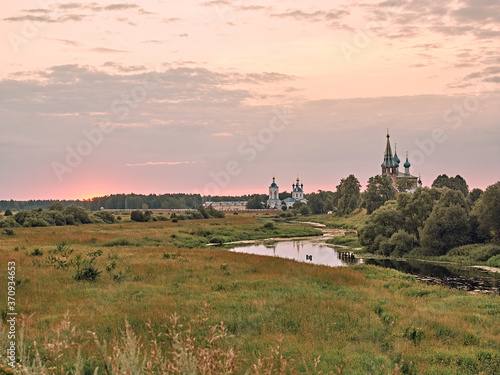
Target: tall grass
<point>356,320</point>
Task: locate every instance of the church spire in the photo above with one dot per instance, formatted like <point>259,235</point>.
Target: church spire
<point>389,163</point>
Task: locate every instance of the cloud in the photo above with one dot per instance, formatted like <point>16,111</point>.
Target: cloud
<point>170,20</point>
<point>162,163</point>
<point>121,6</point>
<point>36,10</point>
<point>72,43</point>
<point>30,18</point>
<point>106,50</point>
<point>47,19</point>
<point>124,69</point>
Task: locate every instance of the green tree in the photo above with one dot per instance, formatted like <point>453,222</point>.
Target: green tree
<point>57,206</point>
<point>474,196</point>
<point>405,184</point>
<point>417,207</point>
<point>454,183</point>
<point>380,189</point>
<point>7,212</point>
<point>488,209</point>
<point>348,194</point>
<point>137,215</point>
<point>401,243</point>
<point>380,226</point>
<point>255,202</point>
<point>441,181</point>
<point>448,226</point>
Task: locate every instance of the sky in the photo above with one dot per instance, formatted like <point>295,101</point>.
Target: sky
<point>216,97</point>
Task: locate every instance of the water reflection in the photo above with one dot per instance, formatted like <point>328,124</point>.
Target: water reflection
<point>464,278</point>
<point>302,251</point>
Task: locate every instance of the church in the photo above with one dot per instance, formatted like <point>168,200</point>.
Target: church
<point>274,200</point>
<point>390,167</point>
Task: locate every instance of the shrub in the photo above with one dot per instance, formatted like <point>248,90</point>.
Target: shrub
<point>85,267</point>
<point>175,220</point>
<point>401,243</point>
<point>9,223</point>
<point>217,240</point>
<point>107,217</point>
<point>137,215</point>
<point>36,253</point>
<point>34,221</point>
<point>9,232</point>
<point>494,261</point>
<point>7,212</point>
<point>80,215</point>
<point>269,226</point>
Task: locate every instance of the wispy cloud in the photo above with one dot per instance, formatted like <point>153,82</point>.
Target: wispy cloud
<point>106,50</point>
<point>163,163</point>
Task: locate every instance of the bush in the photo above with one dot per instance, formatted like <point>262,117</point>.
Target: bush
<point>9,232</point>
<point>494,261</point>
<point>107,217</point>
<point>7,212</point>
<point>217,240</point>
<point>137,215</point>
<point>85,267</point>
<point>9,223</point>
<point>401,243</point>
<point>36,253</point>
<point>269,226</point>
<point>34,221</point>
<point>80,215</point>
<point>175,220</point>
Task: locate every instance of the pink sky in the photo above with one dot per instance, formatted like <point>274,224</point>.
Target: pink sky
<point>216,96</point>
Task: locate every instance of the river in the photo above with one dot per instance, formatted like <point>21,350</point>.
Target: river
<point>314,250</point>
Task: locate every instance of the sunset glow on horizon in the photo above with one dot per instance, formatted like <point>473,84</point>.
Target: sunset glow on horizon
<point>214,97</point>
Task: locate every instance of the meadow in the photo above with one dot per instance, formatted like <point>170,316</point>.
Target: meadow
<point>164,302</point>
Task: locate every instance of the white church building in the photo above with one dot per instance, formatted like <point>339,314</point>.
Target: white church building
<point>274,195</point>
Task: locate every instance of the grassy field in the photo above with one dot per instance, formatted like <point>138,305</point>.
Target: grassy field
<point>278,315</point>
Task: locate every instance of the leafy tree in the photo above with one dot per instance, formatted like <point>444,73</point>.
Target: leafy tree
<point>455,183</point>
<point>379,190</point>
<point>203,212</point>
<point>305,210</point>
<point>7,212</point>
<point>441,181</point>
<point>255,202</point>
<point>321,202</point>
<point>348,194</point>
<point>401,243</point>
<point>448,226</point>
<point>57,206</point>
<point>215,213</point>
<point>405,184</point>
<point>137,215</point>
<point>488,209</point>
<point>285,195</point>
<point>380,226</point>
<point>80,215</point>
<point>474,196</point>
<point>417,207</point>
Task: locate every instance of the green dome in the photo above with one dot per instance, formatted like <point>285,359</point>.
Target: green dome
<point>407,163</point>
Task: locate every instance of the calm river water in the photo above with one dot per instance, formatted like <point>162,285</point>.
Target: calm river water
<point>317,252</point>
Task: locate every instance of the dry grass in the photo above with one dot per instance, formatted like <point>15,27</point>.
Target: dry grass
<point>279,316</point>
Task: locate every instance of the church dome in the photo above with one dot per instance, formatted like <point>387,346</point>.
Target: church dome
<point>407,164</point>
<point>273,185</point>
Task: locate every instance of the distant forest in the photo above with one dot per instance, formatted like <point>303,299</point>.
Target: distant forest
<point>133,201</point>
